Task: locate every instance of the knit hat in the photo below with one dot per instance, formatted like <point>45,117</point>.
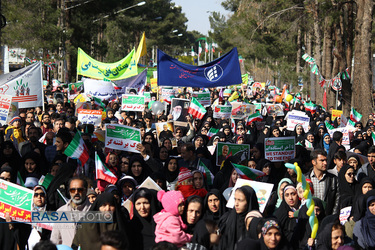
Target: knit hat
<point>183,176</point>
<point>170,200</point>
<point>16,118</point>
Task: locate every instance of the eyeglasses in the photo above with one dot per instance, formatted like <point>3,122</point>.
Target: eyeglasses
<point>42,195</point>
<point>74,190</point>
<point>350,174</point>
<point>125,162</point>
<point>239,128</point>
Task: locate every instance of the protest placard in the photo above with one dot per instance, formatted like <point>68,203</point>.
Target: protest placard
<point>203,98</point>
<point>279,148</point>
<point>294,118</point>
<point>103,90</point>
<point>344,214</point>
<point>134,103</point>
<point>335,113</point>
<point>5,102</point>
<point>239,151</point>
<point>242,110</point>
<point>345,133</point>
<point>83,105</point>
<point>277,108</point>
<point>154,84</point>
<point>167,94</point>
<point>147,96</point>
<point>15,200</point>
<point>222,111</point>
<point>179,111</point>
<point>165,130</point>
<point>262,190</point>
<point>88,116</point>
<point>122,137</point>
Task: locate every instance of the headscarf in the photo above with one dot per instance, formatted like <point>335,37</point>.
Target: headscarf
<point>201,235</point>
<point>347,190</point>
<point>88,234</point>
<point>191,199</point>
<point>146,171</point>
<point>233,225</point>
<point>170,176</point>
<point>279,200</point>
<point>207,213</point>
<point>325,145</point>
<point>368,225</point>
<point>142,230</point>
<point>359,205</point>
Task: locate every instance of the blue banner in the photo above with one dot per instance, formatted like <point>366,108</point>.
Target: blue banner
<point>223,71</point>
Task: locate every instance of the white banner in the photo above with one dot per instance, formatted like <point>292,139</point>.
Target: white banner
<point>24,85</point>
<point>100,89</point>
<point>87,116</point>
<point>293,118</point>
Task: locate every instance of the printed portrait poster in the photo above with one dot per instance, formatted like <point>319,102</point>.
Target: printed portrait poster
<point>263,191</point>
<point>224,150</point>
<point>179,111</point>
<point>164,130</point>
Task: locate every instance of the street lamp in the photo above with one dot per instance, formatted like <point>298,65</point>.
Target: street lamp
<point>127,8</point>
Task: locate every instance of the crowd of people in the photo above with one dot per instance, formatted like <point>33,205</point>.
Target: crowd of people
<point>189,212</point>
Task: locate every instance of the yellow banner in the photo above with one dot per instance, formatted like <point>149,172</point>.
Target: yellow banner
<point>141,50</point>
<point>336,113</point>
<point>87,66</point>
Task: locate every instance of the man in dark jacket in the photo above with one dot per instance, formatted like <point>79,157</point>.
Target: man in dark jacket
<point>325,184</point>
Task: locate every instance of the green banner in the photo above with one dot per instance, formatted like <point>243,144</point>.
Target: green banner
<point>15,200</point>
<point>239,151</point>
<point>133,103</point>
<point>279,148</point>
<point>204,98</point>
<point>122,137</point>
<point>87,66</point>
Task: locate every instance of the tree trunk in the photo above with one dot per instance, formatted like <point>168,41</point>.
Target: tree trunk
<point>299,52</point>
<point>362,76</point>
<point>317,53</point>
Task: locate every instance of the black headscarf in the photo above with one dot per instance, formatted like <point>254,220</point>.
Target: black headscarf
<point>359,205</point>
<point>88,235</point>
<point>207,213</point>
<point>193,198</point>
<point>141,230</point>
<point>201,235</point>
<point>170,176</point>
<point>347,190</point>
<point>65,172</point>
<point>368,225</point>
<point>232,225</point>
<point>146,171</point>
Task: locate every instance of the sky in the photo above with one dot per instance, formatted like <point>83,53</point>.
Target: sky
<point>196,13</point>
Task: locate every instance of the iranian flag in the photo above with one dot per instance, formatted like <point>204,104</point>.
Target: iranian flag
<point>257,117</point>
<point>354,115</point>
<point>233,125</point>
<point>309,106</point>
<point>206,172</point>
<point>20,180</point>
<point>351,123</point>
<point>328,126</point>
<point>373,137</point>
<point>102,172</point>
<point>247,173</point>
<point>212,132</point>
<point>199,49</point>
<point>196,109</point>
<point>77,149</point>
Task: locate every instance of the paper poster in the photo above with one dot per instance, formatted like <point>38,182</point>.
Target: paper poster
<point>179,111</point>
<point>134,103</point>
<point>242,110</point>
<point>154,84</point>
<point>74,89</point>
<point>13,111</point>
<point>263,191</point>
<point>278,108</point>
<point>122,137</point>
<point>222,111</point>
<point>88,116</point>
<point>147,96</point>
<point>203,98</point>
<point>336,113</point>
<point>164,130</point>
<point>344,214</point>
<point>344,131</point>
<point>5,102</point>
<point>83,105</point>
<point>294,118</point>
<point>279,148</point>
<point>15,200</point>
<point>239,151</point>
<point>167,95</point>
